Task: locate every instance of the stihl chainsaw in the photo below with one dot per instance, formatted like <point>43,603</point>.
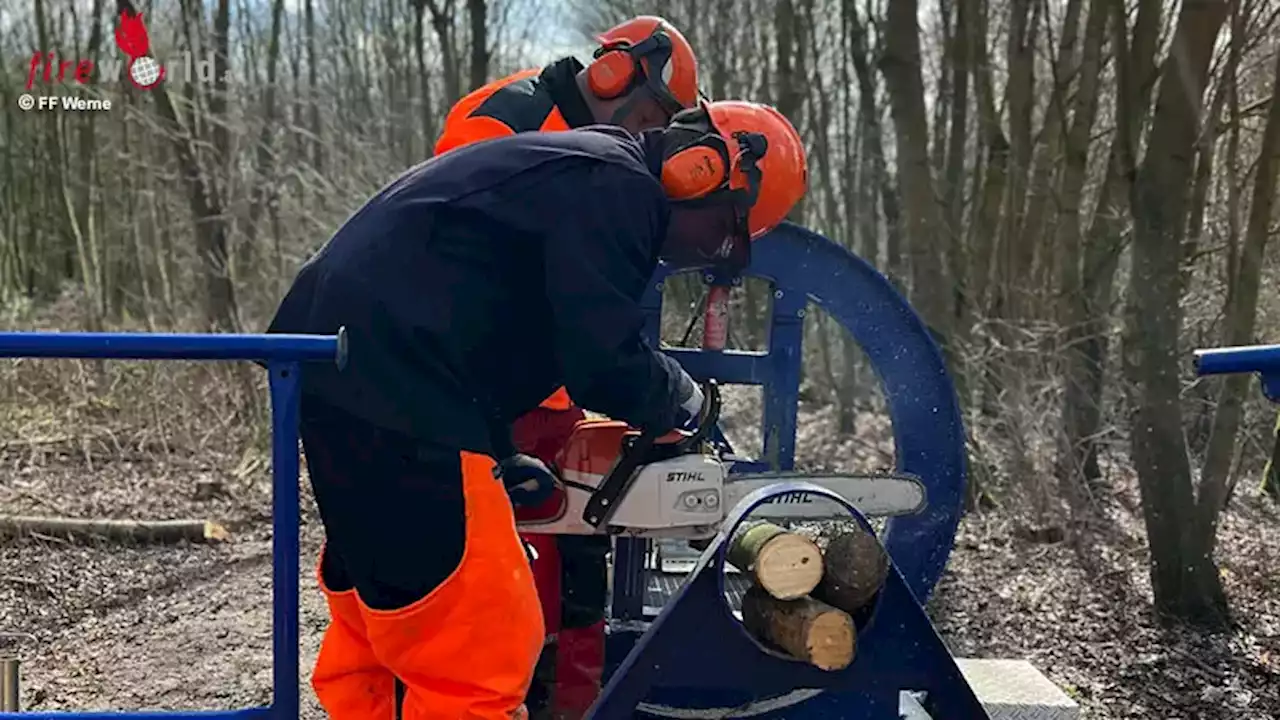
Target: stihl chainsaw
<point>612,479</point>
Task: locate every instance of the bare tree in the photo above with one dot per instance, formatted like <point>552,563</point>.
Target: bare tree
<point>1183,574</point>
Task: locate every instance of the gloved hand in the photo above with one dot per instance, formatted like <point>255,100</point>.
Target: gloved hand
<point>691,401</point>
<point>527,480</point>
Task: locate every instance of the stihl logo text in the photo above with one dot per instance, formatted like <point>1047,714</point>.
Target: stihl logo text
<point>685,476</point>
<point>792,498</point>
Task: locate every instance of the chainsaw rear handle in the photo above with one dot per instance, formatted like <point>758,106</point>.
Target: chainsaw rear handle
<point>645,449</point>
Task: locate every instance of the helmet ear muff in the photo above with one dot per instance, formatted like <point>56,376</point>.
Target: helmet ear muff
<point>696,171</point>
<point>698,166</point>
<point>620,67</point>
<point>612,72</point>
<point>704,168</point>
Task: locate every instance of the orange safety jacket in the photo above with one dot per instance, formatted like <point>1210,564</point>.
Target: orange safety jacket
<point>536,100</point>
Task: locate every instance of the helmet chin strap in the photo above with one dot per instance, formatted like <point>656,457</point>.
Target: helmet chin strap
<point>723,255</point>
<point>624,110</point>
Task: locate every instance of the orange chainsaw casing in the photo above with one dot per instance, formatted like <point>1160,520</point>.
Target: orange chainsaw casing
<point>585,459</point>
<point>592,448</point>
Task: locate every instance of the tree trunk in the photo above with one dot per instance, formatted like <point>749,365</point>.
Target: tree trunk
<point>1037,231</point>
<point>264,170</point>
<point>900,65</point>
<point>477,15</point>
<point>986,212</point>
<point>1239,320</point>
<point>1013,260</point>
<point>953,180</point>
<point>442,17</point>
<point>1135,66</point>
<point>872,133</point>
<point>313,87</point>
<point>426,106</point>
<point>1072,455</point>
<point>1184,577</point>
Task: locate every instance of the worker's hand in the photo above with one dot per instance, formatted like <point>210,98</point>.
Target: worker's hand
<point>527,480</point>
<point>691,401</point>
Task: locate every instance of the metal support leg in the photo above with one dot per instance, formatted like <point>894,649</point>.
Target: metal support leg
<point>10,695</point>
<point>285,398</point>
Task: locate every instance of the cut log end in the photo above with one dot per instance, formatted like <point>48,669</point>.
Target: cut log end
<point>855,569</point>
<point>786,565</point>
<point>806,629</point>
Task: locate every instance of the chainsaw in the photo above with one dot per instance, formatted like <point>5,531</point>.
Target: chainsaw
<point>611,479</point>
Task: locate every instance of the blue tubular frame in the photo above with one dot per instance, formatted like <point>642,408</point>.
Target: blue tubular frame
<point>1263,360</point>
<point>803,266</point>
<point>283,355</point>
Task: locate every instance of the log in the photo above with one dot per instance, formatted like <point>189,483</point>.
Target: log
<point>124,531</point>
<point>806,629</point>
<point>855,567</point>
<point>785,564</point>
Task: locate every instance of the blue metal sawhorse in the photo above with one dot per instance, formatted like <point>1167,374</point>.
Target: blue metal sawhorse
<point>283,356</point>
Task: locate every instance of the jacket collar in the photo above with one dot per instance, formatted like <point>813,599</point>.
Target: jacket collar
<point>561,80</point>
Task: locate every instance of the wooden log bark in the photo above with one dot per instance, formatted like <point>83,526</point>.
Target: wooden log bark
<point>855,567</point>
<point>124,531</point>
<point>806,629</point>
<point>786,565</point>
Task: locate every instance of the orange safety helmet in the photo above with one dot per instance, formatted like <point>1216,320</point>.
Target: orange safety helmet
<point>648,52</point>
<point>740,152</point>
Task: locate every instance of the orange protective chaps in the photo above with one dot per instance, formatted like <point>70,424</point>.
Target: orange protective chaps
<point>401,642</point>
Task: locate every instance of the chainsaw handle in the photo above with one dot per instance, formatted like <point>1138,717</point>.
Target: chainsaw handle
<point>645,449</point>
<point>603,502</point>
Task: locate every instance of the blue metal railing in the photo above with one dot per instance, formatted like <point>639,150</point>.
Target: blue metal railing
<point>1264,360</point>
<point>282,355</point>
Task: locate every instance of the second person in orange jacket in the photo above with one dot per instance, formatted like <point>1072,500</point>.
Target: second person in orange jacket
<point>642,73</point>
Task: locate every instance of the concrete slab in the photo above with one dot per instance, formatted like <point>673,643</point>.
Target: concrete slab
<point>1016,690</point>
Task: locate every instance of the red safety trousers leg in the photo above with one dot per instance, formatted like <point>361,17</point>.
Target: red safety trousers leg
<point>573,661</point>
<point>579,666</point>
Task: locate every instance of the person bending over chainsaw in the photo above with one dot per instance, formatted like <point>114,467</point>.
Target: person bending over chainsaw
<point>642,73</point>
<point>470,287</point>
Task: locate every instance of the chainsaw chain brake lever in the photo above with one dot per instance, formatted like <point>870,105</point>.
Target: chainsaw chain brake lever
<point>643,450</point>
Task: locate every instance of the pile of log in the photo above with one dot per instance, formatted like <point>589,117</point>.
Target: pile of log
<point>803,598</point>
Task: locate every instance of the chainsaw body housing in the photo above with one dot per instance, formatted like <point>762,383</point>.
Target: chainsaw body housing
<point>681,497</point>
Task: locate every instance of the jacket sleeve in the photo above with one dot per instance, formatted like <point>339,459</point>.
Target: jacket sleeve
<point>599,258</point>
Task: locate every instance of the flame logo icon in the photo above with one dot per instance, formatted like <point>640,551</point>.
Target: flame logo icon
<point>145,72</point>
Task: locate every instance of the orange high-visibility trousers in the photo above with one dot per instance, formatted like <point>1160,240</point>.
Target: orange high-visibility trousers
<point>462,649</point>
